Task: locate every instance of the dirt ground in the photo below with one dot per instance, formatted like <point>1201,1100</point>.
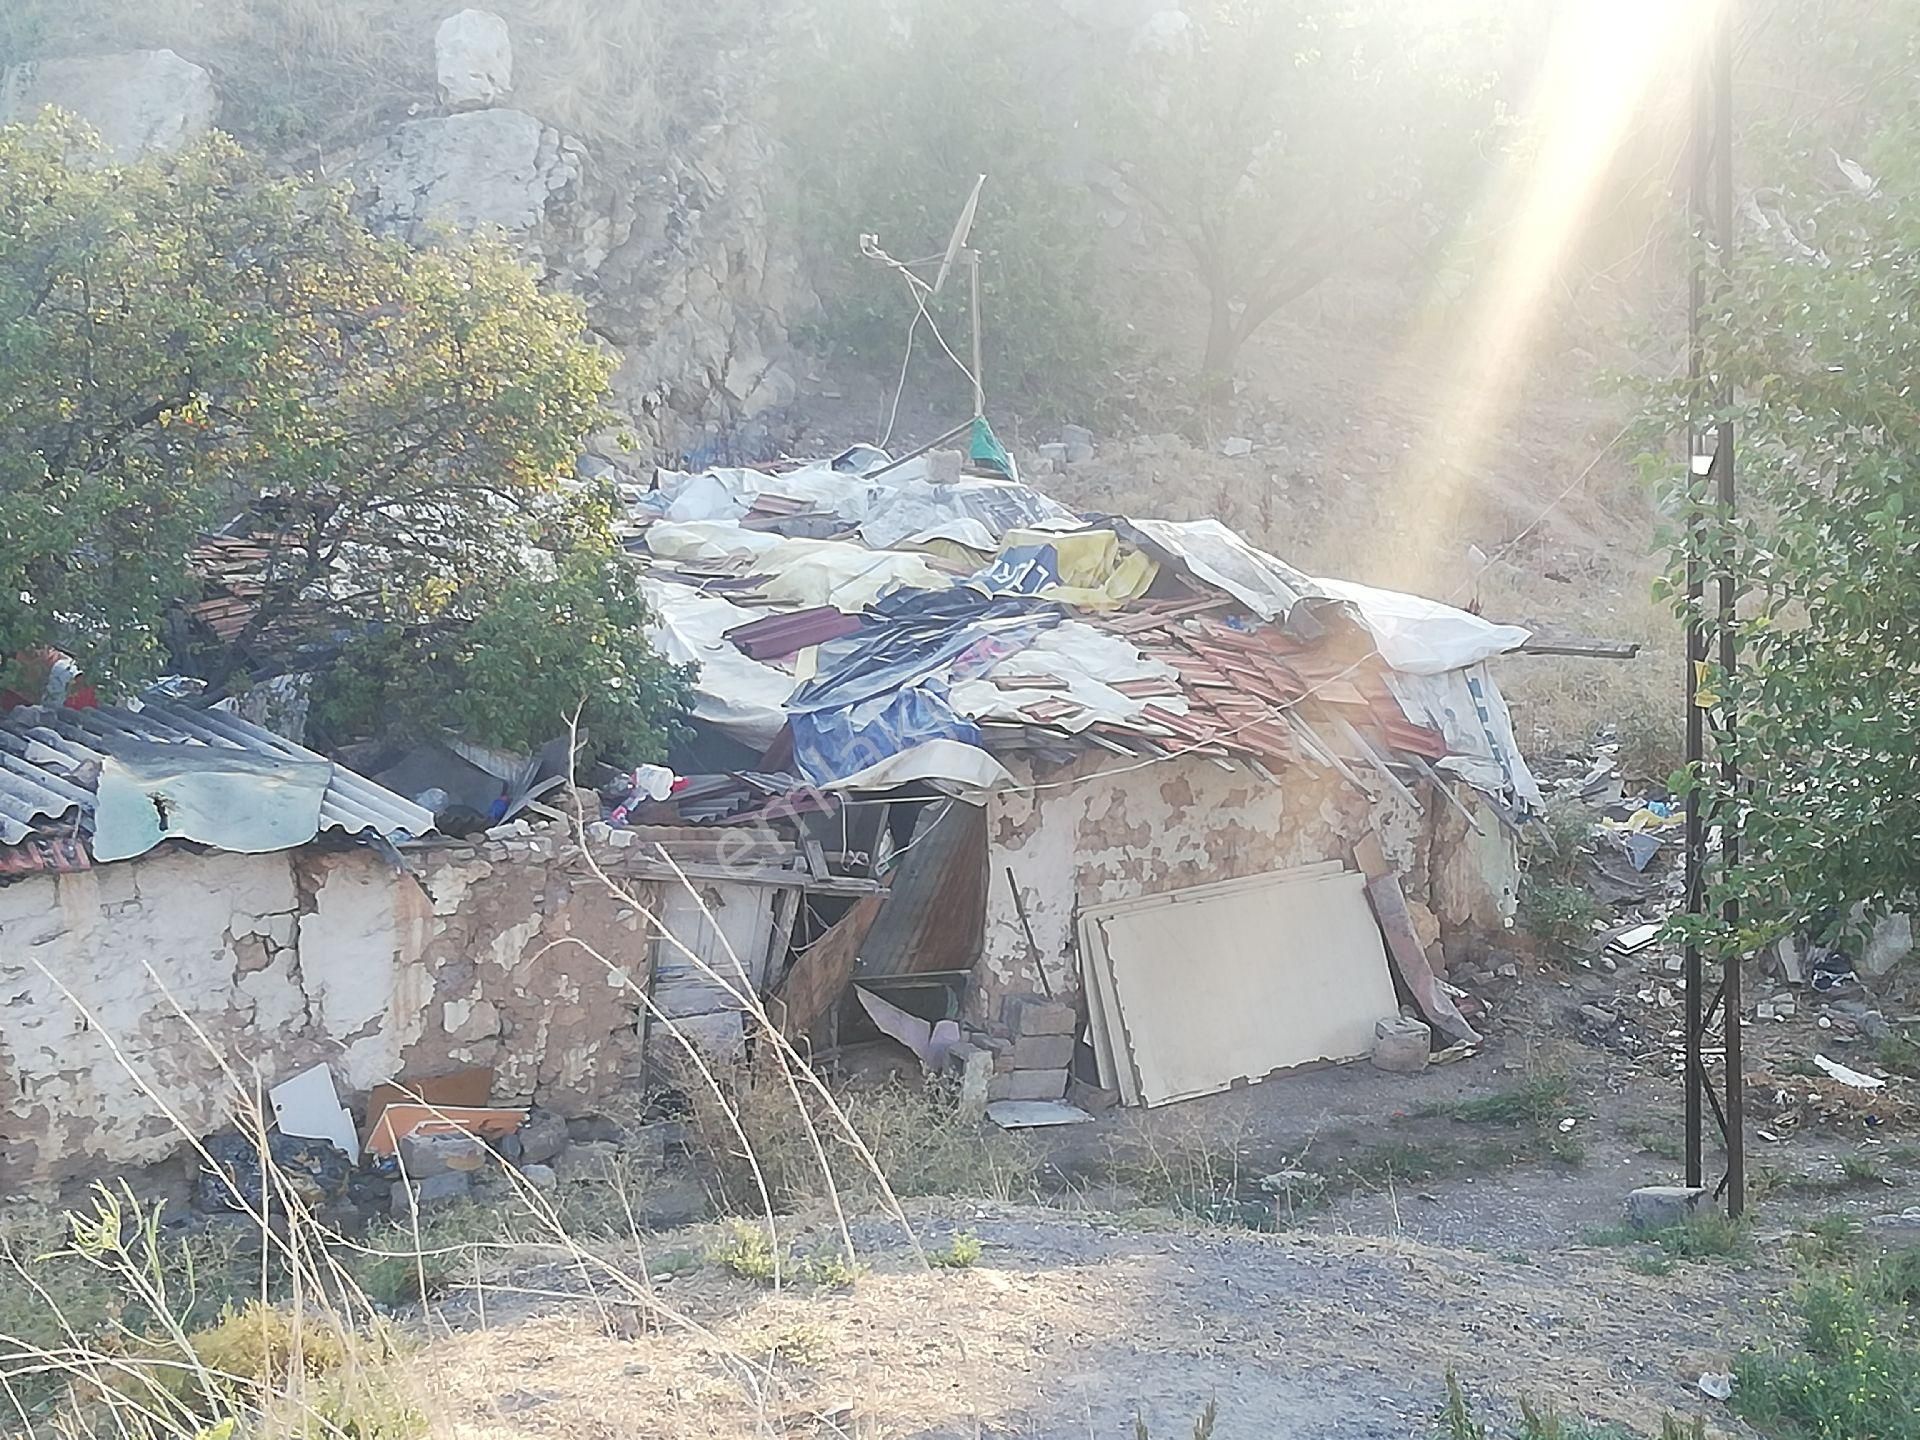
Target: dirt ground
<point>1424,1242</point>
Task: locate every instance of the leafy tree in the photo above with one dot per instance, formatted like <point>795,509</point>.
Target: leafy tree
<point>1277,139</point>
<point>556,645</point>
<point>1815,337</point>
<point>186,340</point>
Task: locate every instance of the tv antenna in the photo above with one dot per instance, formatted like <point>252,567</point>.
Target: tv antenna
<point>958,251</point>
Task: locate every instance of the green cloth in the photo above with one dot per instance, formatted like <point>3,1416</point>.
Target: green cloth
<point>986,452</point>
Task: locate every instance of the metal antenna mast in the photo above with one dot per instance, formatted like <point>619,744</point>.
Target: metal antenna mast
<point>1710,458</point>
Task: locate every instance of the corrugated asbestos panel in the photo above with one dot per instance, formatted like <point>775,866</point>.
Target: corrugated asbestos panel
<point>936,910</point>
<point>49,766</point>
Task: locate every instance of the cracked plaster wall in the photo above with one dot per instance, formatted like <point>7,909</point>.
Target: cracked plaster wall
<point>286,960</point>
<point>1130,832</point>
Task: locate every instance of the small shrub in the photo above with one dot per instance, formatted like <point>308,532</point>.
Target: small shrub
<point>830,1270</point>
<point>1456,1415</point>
<point>1202,1425</point>
<point>1898,1054</point>
<point>396,1266</point>
<point>268,1344</point>
<point>1862,1170</point>
<point>1894,1278</point>
<point>961,1253</point>
<point>1558,916</point>
<point>747,1251</point>
<point>1851,1376</point>
<point>1827,1241</point>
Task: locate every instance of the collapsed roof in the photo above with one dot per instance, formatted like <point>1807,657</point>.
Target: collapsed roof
<point>867,623</point>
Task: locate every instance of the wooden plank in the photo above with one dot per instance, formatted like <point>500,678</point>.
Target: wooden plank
<point>656,869</point>
<point>824,971</point>
<point>1403,946</point>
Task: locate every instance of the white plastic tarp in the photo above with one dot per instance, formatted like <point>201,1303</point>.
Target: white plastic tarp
<point>1082,665</point>
<point>953,767</point>
<point>908,508</point>
<point>1265,584</point>
<point>847,577</point>
<point>800,572</point>
<point>742,697</point>
<point>1467,708</point>
<point>728,494</point>
<point>1423,637</point>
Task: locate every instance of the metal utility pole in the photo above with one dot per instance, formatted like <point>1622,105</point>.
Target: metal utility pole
<point>1710,459</point>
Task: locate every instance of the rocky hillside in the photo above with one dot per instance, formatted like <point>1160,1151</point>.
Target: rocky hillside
<point>627,148</point>
<point>615,149</point>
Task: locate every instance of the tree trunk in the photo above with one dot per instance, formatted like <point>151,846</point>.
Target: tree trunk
<point>1223,348</point>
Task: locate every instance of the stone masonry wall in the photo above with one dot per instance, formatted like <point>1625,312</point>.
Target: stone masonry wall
<point>135,997</point>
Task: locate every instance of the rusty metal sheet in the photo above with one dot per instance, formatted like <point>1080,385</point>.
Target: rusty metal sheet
<point>936,910</point>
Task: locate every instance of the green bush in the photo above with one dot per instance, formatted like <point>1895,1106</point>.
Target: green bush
<point>1853,1375</point>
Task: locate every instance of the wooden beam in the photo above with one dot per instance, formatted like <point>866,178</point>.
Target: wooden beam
<point>1584,647</point>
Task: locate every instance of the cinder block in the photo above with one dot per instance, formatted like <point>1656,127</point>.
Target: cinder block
<point>1043,1052</point>
<point>1031,1015</point>
<point>1029,1085</point>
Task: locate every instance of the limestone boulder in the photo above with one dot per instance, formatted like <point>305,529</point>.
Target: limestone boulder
<point>137,101</point>
<point>473,53</point>
<point>485,170</point>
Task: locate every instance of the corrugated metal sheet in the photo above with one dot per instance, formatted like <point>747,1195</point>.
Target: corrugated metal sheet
<point>936,908</point>
<point>50,766</point>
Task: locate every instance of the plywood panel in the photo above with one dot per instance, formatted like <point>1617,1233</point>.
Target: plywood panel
<point>1245,982</point>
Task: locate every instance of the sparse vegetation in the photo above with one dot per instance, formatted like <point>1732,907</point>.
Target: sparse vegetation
<point>920,1141</point>
<point>1898,1054</point>
<point>1458,1421</point>
<point>1852,1371</point>
<point>1557,910</point>
<point>960,1253</point>
<point>749,1252</point>
<point>1708,1235</point>
<point>1537,1109</point>
<point>1202,1426</point>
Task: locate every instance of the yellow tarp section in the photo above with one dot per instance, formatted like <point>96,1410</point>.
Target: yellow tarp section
<point>1097,572</point>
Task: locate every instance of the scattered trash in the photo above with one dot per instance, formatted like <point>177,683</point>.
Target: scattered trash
<point>1832,970</point>
<point>1846,1075</point>
<point>1035,1114</point>
<point>307,1107</point>
<point>1633,941</point>
<point>315,1170</point>
<point>1235,447</point>
<point>1566,1125</point>
<point>1716,1385</point>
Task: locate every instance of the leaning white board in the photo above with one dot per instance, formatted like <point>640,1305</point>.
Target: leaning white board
<point>1244,982</point>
